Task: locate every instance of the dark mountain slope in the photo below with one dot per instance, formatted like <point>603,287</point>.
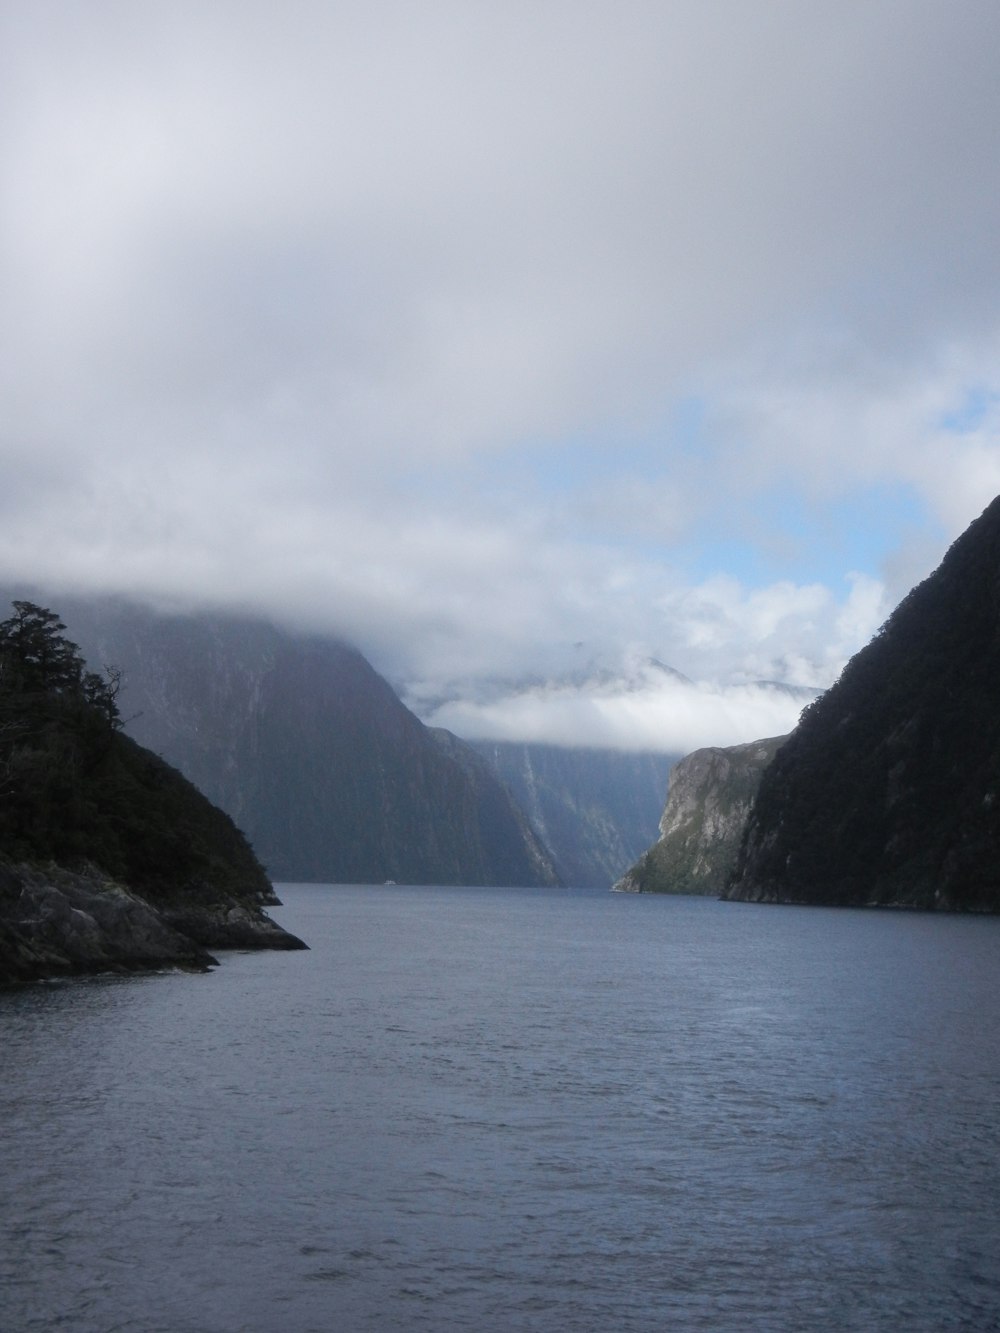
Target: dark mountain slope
<point>364,791</point>
<point>502,827</point>
<point>310,751</point>
<point>888,792</point>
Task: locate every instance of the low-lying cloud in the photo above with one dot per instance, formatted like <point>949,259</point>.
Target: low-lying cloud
<point>473,331</point>
<point>659,712</point>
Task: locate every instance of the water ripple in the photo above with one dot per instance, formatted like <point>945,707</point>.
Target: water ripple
<point>505,1111</point>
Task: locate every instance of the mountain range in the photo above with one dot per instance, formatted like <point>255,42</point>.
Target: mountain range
<point>333,779</point>
<point>309,750</point>
<point>593,808</point>
<point>887,792</point>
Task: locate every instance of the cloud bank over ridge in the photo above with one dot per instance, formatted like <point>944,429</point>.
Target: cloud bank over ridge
<point>645,708</point>
<point>475,332</point>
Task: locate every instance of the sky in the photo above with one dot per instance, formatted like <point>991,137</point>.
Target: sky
<point>522,344</point>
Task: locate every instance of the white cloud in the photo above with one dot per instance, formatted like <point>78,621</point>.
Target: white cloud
<point>862,613</point>
<point>835,432</point>
<point>656,712</point>
<point>378,316</point>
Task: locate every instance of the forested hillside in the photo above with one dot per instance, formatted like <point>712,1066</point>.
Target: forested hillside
<point>888,792</point>
<point>85,811</point>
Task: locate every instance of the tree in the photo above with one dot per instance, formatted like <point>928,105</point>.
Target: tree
<point>101,693</point>
<point>38,663</point>
<point>58,733</point>
<point>34,655</point>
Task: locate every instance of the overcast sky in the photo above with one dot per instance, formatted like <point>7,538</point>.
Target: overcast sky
<point>505,338</point>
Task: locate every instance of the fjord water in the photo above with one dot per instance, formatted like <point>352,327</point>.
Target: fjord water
<point>515,1110</point>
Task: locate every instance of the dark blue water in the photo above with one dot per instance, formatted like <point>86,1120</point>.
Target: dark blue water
<point>470,1109</point>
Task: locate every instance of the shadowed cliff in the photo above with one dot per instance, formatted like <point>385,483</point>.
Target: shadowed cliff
<point>310,751</point>
<point>594,809</point>
<point>888,791</point>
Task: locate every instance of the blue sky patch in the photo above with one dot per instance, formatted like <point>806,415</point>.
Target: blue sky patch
<point>972,412</point>
<point>788,536</point>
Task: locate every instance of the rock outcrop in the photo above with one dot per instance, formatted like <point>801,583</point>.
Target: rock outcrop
<point>58,923</point>
<point>888,791</point>
<point>54,922</point>
<point>709,798</point>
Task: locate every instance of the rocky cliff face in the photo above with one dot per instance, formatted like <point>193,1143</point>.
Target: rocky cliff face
<point>505,828</point>
<point>55,922</point>
<point>888,791</point>
<point>710,796</point>
<point>310,751</point>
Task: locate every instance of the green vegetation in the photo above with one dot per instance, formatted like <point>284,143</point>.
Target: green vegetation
<point>74,790</point>
<point>109,858</point>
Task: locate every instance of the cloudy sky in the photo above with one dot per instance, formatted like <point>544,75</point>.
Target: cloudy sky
<point>507,339</point>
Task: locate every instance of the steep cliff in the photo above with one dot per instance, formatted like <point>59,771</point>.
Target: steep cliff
<point>888,791</point>
<point>594,809</point>
<point>710,795</point>
<point>505,830</point>
<point>310,751</point>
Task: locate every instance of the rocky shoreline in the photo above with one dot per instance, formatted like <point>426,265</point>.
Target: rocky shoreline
<point>59,923</point>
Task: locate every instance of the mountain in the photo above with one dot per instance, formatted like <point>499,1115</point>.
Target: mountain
<point>888,791</point>
<point>310,751</point>
<point>109,858</point>
<point>595,810</point>
<point>710,795</point>
<point>483,781</point>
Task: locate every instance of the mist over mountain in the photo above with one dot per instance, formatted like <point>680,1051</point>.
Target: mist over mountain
<point>309,750</point>
<point>313,754</point>
<point>888,791</point>
<point>633,705</point>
